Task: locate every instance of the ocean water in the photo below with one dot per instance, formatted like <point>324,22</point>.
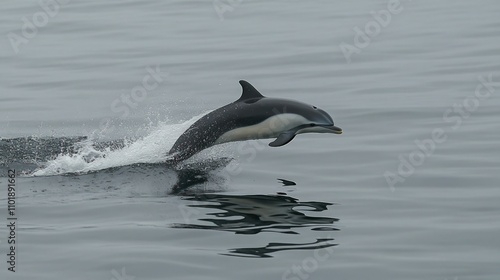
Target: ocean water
<point>94,93</point>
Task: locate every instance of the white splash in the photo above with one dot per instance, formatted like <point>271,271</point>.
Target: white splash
<point>152,148</point>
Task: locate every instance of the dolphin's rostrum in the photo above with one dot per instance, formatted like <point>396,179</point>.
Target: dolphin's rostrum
<point>252,116</point>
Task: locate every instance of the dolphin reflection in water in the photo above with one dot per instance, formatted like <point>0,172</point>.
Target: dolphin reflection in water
<point>252,214</point>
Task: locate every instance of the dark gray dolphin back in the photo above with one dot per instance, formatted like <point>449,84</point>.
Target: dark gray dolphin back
<point>205,131</point>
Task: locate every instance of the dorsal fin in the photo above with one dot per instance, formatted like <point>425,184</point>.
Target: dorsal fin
<point>248,91</point>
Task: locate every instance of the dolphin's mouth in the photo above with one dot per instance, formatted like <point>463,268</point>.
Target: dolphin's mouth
<point>333,129</point>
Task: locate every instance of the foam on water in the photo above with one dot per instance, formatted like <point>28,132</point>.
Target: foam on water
<point>151,148</point>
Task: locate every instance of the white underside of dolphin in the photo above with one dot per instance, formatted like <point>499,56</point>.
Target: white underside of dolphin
<point>270,128</point>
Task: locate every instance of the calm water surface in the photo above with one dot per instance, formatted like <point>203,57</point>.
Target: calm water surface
<point>409,191</point>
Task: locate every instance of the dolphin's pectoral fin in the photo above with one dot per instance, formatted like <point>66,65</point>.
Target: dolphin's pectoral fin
<point>283,139</point>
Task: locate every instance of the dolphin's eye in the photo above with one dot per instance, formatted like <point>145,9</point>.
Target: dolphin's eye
<point>313,124</point>
<point>314,107</point>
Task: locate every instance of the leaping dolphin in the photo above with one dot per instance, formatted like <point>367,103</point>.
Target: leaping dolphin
<point>252,116</point>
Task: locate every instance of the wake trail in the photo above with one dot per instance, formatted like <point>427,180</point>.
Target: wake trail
<point>152,148</point>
